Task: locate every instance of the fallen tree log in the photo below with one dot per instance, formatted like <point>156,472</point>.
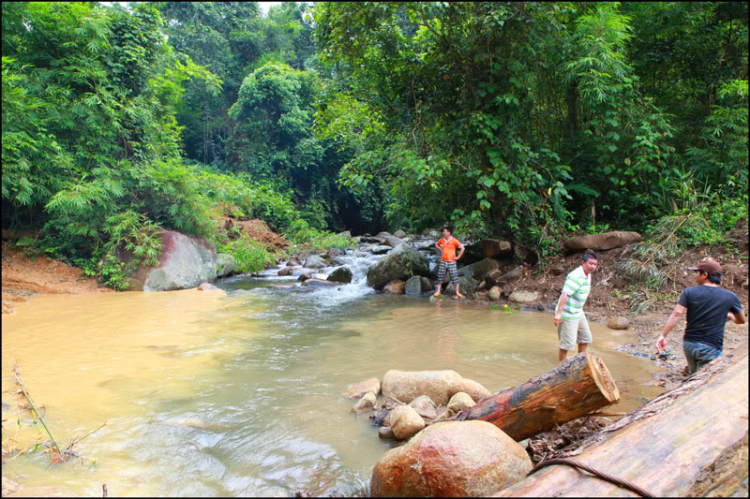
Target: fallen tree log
<point>576,387</point>
<point>688,442</point>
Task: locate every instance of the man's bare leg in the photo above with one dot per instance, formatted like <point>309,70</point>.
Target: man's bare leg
<point>563,354</point>
<point>582,347</point>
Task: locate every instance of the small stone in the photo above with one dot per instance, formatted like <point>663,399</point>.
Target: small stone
<point>459,402</point>
<point>366,402</point>
<point>395,287</point>
<point>206,286</point>
<point>425,407</point>
<point>405,422</point>
<point>495,293</point>
<point>386,433</point>
<point>358,390</point>
<point>524,297</point>
<point>618,323</point>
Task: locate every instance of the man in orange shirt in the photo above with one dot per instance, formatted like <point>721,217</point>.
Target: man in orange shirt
<point>448,245</point>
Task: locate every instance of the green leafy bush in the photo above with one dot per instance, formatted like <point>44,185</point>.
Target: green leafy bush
<point>306,237</point>
<point>249,255</point>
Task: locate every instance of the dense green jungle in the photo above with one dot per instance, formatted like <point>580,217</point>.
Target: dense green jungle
<point>530,121</point>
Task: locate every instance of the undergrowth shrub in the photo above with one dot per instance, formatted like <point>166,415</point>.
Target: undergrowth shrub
<point>308,238</point>
<point>249,255</point>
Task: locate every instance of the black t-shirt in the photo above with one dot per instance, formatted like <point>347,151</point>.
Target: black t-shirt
<point>707,308</point>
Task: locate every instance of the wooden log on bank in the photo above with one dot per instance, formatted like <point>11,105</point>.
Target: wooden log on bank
<point>576,387</point>
<point>689,442</point>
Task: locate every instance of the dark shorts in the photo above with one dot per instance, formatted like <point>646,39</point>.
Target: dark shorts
<point>698,354</point>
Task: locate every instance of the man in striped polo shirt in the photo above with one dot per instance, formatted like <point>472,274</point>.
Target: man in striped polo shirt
<point>572,326</point>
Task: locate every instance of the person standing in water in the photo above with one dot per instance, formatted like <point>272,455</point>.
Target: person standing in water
<point>448,245</point>
<point>572,326</point>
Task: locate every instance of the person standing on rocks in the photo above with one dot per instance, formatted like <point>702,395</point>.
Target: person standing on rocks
<point>709,307</point>
<point>572,326</point>
<point>448,245</point>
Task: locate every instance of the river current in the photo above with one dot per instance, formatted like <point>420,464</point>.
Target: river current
<point>239,392</point>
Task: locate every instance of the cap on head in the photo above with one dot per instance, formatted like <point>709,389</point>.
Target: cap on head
<point>708,266</point>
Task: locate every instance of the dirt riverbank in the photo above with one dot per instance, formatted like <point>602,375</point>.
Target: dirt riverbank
<point>24,276</point>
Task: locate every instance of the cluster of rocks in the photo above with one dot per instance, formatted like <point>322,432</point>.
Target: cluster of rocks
<point>406,267</point>
<point>307,268</point>
<point>413,400</point>
<point>442,457</point>
<point>488,269</point>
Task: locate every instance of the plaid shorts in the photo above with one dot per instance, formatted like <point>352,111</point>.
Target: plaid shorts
<point>451,268</point>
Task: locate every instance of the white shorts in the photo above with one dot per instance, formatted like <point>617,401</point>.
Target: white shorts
<point>572,332</point>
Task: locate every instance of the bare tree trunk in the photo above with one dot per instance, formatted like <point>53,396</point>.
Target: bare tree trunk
<point>574,388</point>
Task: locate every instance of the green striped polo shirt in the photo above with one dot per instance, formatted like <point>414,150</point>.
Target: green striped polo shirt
<point>577,287</point>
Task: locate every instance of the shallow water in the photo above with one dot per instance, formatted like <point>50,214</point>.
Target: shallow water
<point>239,393</point>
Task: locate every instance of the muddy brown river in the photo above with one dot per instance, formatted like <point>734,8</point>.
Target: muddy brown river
<point>239,392</point>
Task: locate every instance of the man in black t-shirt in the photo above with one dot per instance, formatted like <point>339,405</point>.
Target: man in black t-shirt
<point>709,307</point>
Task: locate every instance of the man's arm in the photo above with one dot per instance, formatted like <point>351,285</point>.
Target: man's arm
<point>461,253</point>
<point>560,307</point>
<point>737,317</point>
<point>674,318</point>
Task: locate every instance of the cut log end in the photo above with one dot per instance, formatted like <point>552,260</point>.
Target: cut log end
<point>603,379</point>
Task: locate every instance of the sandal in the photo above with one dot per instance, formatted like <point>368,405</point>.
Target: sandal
<point>437,294</point>
<point>458,296</point>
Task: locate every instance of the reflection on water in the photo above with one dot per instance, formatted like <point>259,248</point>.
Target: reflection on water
<point>240,393</point>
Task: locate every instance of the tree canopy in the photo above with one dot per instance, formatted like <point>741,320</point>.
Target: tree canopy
<point>529,120</point>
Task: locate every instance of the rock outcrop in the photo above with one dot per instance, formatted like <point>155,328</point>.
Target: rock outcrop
<point>185,262</point>
<point>603,241</point>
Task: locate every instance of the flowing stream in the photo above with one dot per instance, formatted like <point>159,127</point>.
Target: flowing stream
<point>239,392</point>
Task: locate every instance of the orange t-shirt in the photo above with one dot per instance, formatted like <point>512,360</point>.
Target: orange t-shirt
<point>449,248</point>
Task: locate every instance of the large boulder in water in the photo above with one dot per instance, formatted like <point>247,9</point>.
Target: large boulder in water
<point>400,264</point>
<point>603,241</point>
<point>342,274</point>
<point>185,262</point>
<point>408,385</point>
<point>451,459</point>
